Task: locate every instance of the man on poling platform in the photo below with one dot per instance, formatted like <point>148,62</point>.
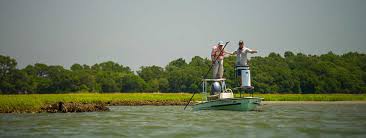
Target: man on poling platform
<point>242,61</point>
<point>217,56</point>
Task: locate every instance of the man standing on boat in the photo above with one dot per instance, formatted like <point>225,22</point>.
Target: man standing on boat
<point>217,56</point>
<point>242,63</point>
<point>241,54</point>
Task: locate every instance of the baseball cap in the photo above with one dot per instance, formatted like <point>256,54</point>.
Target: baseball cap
<point>221,43</point>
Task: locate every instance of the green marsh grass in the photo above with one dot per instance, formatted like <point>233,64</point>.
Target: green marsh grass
<point>34,102</point>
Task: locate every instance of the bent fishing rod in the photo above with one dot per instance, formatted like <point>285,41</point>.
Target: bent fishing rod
<point>208,72</point>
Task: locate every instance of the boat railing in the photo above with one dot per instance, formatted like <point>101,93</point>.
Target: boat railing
<point>204,86</point>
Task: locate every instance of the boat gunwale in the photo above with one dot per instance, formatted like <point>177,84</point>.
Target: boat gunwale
<point>226,99</point>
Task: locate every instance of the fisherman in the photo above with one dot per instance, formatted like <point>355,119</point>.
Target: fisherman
<point>241,54</point>
<point>217,56</point>
<point>242,59</point>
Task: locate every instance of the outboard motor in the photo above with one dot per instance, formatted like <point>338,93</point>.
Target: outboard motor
<point>215,88</point>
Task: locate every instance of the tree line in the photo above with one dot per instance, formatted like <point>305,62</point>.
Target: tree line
<point>275,73</point>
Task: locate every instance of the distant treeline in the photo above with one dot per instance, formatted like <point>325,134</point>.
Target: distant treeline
<point>291,73</point>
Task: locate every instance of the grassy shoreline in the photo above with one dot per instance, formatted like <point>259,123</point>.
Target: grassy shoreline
<point>36,102</point>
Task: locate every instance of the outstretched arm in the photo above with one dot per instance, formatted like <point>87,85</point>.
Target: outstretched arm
<point>252,51</point>
<point>229,53</point>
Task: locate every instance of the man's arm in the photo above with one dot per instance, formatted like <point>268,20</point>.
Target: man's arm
<point>252,51</point>
<point>230,53</point>
<point>213,57</point>
<point>213,54</point>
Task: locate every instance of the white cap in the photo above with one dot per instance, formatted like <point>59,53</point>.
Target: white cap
<point>221,43</point>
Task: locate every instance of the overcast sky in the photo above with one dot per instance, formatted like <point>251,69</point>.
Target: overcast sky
<point>153,32</point>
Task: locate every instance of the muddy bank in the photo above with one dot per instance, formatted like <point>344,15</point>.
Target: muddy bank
<point>70,107</point>
<point>62,107</point>
<point>97,107</point>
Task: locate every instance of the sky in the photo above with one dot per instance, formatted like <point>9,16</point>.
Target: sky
<point>139,33</point>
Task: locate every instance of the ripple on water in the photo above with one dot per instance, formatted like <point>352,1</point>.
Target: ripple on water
<point>275,120</point>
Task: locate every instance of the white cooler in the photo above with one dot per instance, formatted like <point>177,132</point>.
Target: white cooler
<point>245,75</point>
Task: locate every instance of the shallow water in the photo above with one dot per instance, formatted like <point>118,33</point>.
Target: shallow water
<point>273,120</point>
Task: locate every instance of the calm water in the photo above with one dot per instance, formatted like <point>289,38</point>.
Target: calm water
<point>276,120</point>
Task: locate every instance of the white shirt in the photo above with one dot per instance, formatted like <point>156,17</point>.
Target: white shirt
<point>241,56</point>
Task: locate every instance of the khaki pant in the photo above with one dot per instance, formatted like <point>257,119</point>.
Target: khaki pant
<point>218,69</point>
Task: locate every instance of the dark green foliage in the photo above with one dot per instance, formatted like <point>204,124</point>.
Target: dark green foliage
<point>7,68</point>
<point>290,73</point>
<point>151,72</point>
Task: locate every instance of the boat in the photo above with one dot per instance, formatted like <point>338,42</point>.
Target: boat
<point>221,98</point>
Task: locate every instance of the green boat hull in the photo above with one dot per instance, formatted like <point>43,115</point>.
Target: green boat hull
<point>234,104</point>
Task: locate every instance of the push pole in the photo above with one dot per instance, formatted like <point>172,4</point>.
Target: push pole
<point>207,72</point>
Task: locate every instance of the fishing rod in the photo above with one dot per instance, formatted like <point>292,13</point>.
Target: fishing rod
<point>222,50</point>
